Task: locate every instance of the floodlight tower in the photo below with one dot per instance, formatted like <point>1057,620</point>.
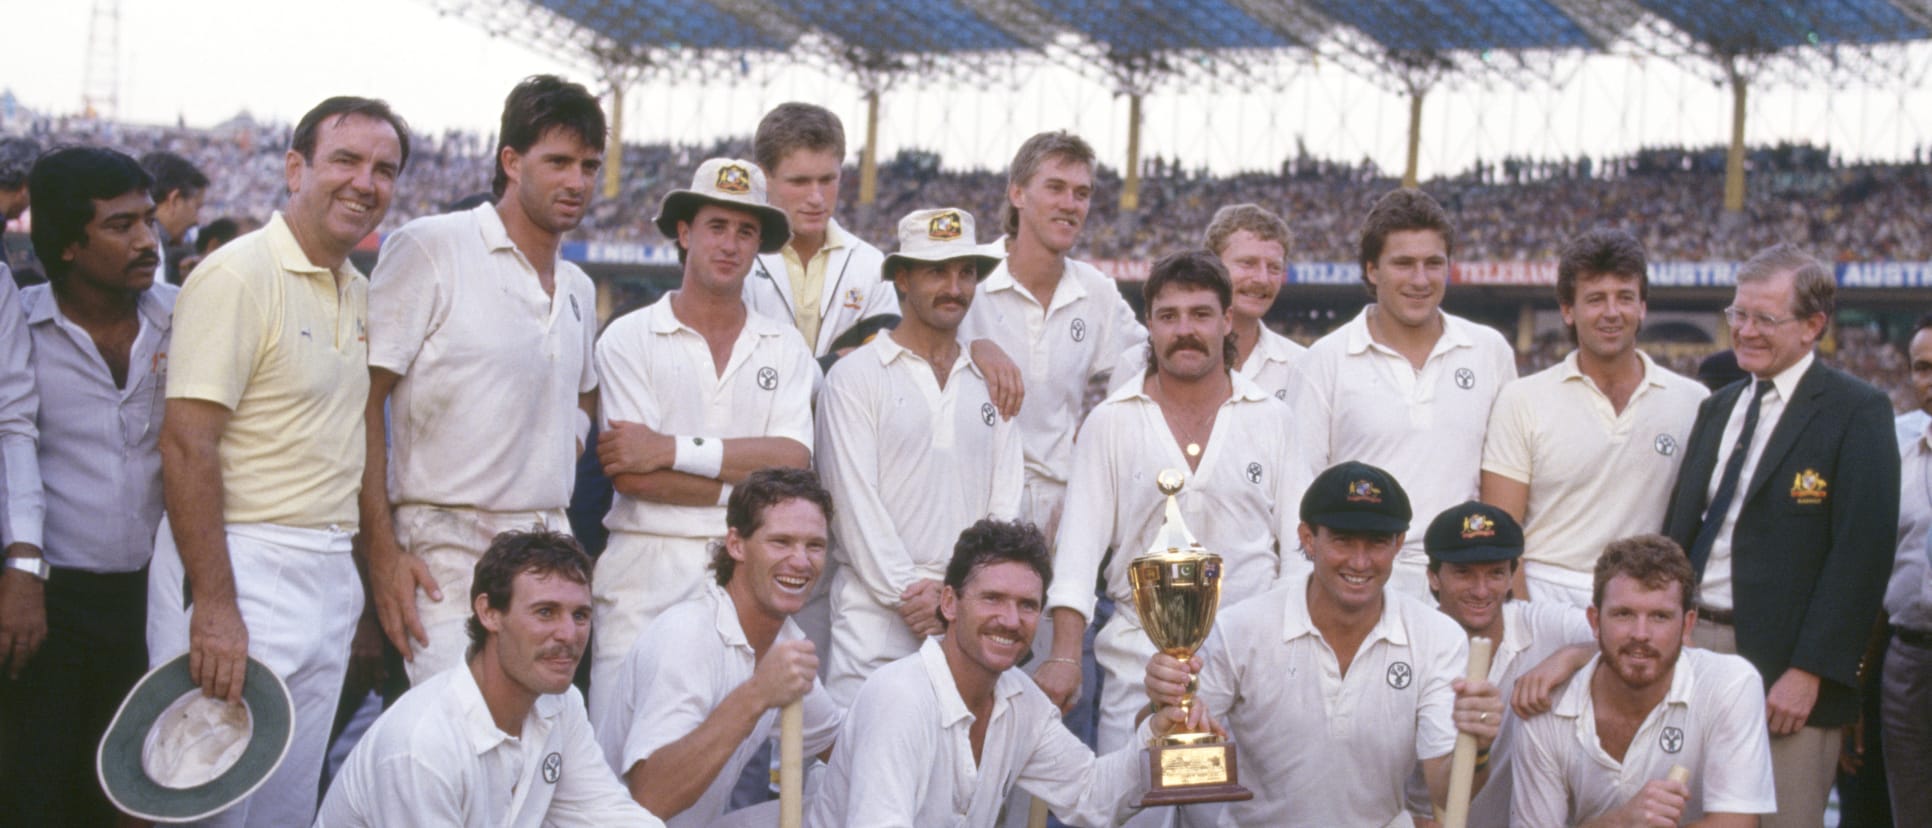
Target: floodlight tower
<point>101,87</point>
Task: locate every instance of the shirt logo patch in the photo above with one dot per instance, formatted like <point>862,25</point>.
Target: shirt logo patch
<point>854,300</point>
<point>1254,473</point>
<point>1078,330</point>
<point>1671,740</point>
<point>1478,526</point>
<point>1362,491</point>
<point>552,767</point>
<point>1666,445</point>
<point>1465,379</point>
<point>987,413</point>
<point>1400,675</point>
<point>767,378</point>
<point>1808,486</point>
<point>1282,394</point>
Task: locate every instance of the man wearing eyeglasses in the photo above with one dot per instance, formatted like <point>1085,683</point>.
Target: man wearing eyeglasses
<point>1787,504</point>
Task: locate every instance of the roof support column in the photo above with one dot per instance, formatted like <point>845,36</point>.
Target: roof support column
<point>1130,187</point>
<point>614,146</point>
<point>1409,173</point>
<point>869,154</point>
<point>1734,160</point>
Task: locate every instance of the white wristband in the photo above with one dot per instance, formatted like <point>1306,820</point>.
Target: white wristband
<point>700,456</point>
<point>724,494</point>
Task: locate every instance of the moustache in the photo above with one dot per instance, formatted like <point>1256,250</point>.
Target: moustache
<point>147,261</point>
<point>560,651</point>
<point>1640,651</point>
<point>1186,343</point>
<point>949,300</point>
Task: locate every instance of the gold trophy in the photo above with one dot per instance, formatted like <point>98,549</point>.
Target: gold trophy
<point>1177,590</point>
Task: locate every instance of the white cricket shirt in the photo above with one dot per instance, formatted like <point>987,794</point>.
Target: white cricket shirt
<point>658,371</point>
<point>485,415</point>
<point>1594,475</point>
<point>1711,722</point>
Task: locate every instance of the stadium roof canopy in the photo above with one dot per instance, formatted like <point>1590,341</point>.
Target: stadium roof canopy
<point>1121,29</point>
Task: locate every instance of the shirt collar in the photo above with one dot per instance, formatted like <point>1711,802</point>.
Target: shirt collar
<point>1243,389</point>
<point>724,613</point>
<point>888,349</point>
<point>490,223</point>
<point>1575,700</point>
<point>1787,380</point>
<point>1069,290</point>
<point>1273,347</point>
<point>288,252</point>
<point>952,706</point>
<point>154,313</point>
<point>1359,339</point>
<point>1572,370</point>
<point>835,239</point>
<point>660,319</point>
<point>1296,622</point>
<point>475,712</point>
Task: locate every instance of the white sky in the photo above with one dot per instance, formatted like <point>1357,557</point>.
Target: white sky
<point>205,60</point>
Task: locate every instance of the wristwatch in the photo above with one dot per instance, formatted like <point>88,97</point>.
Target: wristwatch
<point>36,566</point>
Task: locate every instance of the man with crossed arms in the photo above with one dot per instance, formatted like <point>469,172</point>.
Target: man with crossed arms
<point>914,451</point>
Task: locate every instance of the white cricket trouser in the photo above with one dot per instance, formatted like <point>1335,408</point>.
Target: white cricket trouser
<point>300,598</point>
<point>866,635</point>
<point>450,540</point>
<point>1558,584</point>
<point>638,577</point>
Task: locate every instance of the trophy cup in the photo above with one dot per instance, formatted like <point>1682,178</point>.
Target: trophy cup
<point>1177,589</point>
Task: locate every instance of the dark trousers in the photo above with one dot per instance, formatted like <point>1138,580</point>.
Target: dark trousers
<point>53,715</point>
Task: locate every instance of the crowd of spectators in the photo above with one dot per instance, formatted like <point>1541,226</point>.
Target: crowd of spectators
<point>1513,209</point>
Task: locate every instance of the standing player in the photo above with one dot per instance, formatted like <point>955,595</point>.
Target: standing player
<point>1787,505</point>
<point>1473,551</point>
<point>913,450</point>
<point>463,306</point>
<point>502,739</point>
<point>1252,244</point>
<point>1566,443</point>
<point>825,280</point>
<point>1192,412</point>
<point>700,695</point>
<point>1060,320</point>
<point>698,393</point>
<point>262,445</point>
<point>1404,385</point>
<point>1645,703</point>
<point>1336,686</point>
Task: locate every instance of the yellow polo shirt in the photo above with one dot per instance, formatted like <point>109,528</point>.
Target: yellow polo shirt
<point>281,343</point>
<point>808,282</point>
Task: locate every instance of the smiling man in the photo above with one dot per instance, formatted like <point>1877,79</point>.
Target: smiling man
<point>941,736</point>
<point>698,697</point>
<point>914,452</point>
<point>1252,243</point>
<point>1404,386</point>
<point>1565,444</point>
<point>462,307</point>
<point>1645,703</point>
<point>1473,551</point>
<point>698,393</point>
<point>1787,504</point>
<point>1190,411</point>
<point>262,444</point>
<point>100,331</point>
<point>1337,686</point>
<point>502,740</point>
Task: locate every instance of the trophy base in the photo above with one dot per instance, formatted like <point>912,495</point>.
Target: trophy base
<point>1191,773</point>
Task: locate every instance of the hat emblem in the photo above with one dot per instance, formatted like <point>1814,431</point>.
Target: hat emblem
<point>734,179</point>
<point>1362,491</point>
<point>1478,526</point>
<point>944,227</point>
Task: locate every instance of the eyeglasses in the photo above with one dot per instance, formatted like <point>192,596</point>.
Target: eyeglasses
<point>1737,317</point>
